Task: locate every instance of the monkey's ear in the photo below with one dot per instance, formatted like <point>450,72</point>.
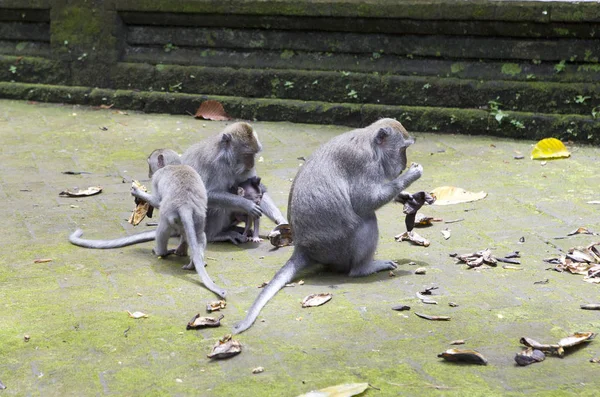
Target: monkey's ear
<point>226,138</point>
<point>382,135</point>
<point>257,178</point>
<point>241,191</point>
<point>161,161</point>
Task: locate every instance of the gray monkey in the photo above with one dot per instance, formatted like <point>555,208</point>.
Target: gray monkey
<point>178,191</point>
<point>335,224</point>
<point>223,161</point>
<point>251,189</point>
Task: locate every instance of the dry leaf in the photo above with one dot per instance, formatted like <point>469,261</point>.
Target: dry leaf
<point>137,315</point>
<point>281,236</point>
<point>581,230</point>
<point>446,233</point>
<point>225,348</point>
<point>529,356</point>
<point>446,195</point>
<point>90,191</point>
<point>258,370</point>
<point>591,306</point>
<point>413,237</point>
<point>316,300</point>
<point>343,390</point>
<point>549,148</point>
<point>215,305</point>
<point>212,110</point>
<point>141,209</point>
<point>204,322</point>
<point>467,356</point>
<point>44,260</point>
<point>433,318</point>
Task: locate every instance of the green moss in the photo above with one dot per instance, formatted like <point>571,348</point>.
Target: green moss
<point>456,68</point>
<point>287,54</point>
<point>511,69</point>
<point>588,68</point>
<point>561,31</point>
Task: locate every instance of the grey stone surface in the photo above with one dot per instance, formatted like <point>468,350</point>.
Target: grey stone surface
<point>82,341</point>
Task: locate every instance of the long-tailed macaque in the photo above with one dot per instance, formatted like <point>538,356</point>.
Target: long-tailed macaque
<point>223,161</point>
<point>251,189</point>
<point>333,200</point>
<point>179,193</point>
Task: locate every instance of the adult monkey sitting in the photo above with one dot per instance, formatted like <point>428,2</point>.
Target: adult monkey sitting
<point>223,161</point>
<point>333,200</point>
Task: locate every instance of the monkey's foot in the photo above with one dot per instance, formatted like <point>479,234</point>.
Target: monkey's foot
<point>372,267</point>
<point>189,266</point>
<point>256,239</point>
<point>163,254</point>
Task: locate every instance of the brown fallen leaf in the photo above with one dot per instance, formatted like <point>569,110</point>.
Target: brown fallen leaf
<point>281,235</point>
<point>90,191</point>
<point>316,300</point>
<point>198,322</point>
<point>433,318</point>
<point>458,342</point>
<point>581,230</point>
<point>529,356</point>
<point>43,260</point>
<point>212,110</point>
<point>225,348</point>
<point>215,306</point>
<point>343,390</point>
<point>466,356</point>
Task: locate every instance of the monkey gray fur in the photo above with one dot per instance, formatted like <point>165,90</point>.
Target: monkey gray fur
<point>178,191</point>
<point>333,200</point>
<point>223,161</point>
<point>250,189</point>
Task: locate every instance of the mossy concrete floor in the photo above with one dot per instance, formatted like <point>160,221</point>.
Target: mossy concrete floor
<point>82,342</point>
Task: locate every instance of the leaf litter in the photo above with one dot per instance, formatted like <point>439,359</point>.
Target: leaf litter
<point>225,347</point>
<point>316,300</point>
<point>90,191</point>
<point>342,390</point>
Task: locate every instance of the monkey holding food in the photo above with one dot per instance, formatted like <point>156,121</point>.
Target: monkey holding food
<point>179,193</point>
<point>333,200</point>
<point>251,189</point>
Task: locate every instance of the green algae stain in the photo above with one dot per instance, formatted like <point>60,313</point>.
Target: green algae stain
<point>561,31</point>
<point>511,69</point>
<point>456,68</point>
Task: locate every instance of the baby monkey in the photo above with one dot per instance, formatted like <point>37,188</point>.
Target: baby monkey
<point>251,189</point>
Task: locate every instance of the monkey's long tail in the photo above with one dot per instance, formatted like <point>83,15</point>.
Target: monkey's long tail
<point>286,274</point>
<point>197,248</point>
<point>75,238</point>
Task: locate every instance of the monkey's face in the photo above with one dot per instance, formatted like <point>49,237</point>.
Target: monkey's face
<point>391,146</point>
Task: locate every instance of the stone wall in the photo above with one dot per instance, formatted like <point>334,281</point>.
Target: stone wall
<point>508,68</point>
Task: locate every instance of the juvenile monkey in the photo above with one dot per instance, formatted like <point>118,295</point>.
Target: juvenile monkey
<point>178,191</point>
<point>223,161</point>
<point>333,200</point>
<point>250,189</point>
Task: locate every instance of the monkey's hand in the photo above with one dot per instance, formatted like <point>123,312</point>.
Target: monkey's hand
<point>413,173</point>
<point>253,209</point>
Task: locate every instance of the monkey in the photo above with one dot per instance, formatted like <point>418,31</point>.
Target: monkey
<point>332,203</point>
<point>223,161</point>
<point>179,193</point>
<point>250,189</point>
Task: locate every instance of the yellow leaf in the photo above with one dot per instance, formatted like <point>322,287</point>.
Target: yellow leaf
<point>549,148</point>
<point>344,390</point>
<point>445,195</point>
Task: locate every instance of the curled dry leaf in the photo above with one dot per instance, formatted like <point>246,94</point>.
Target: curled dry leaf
<point>343,390</point>
<point>549,148</point>
<point>215,306</point>
<point>2,387</point>
<point>43,260</point>
<point>90,191</point>
<point>281,236</point>
<point>477,258</point>
<point>198,322</point>
<point>422,220</point>
<point>420,270</point>
<point>446,195</point>
<point>413,237</point>
<point>591,306</point>
<point>576,339</point>
<point>225,348</point>
<point>212,110</point>
<point>258,370</point>
<point>465,356</point>
<point>446,233</point>
<point>433,318</point>
<point>529,356</point>
<point>141,209</point>
<point>316,300</point>
<point>400,308</point>
<point>458,342</point>
<point>595,360</point>
<point>137,315</point>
